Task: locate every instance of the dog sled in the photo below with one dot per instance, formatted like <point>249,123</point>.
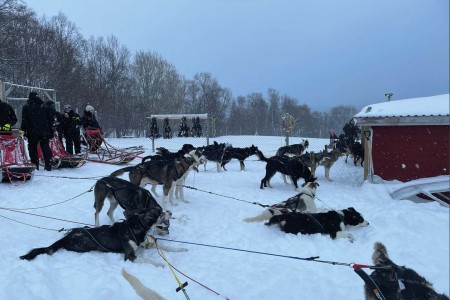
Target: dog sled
<point>60,158</point>
<point>99,150</point>
<point>14,163</point>
<point>433,188</point>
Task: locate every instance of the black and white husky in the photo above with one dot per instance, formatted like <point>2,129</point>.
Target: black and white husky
<point>332,223</point>
<point>302,202</point>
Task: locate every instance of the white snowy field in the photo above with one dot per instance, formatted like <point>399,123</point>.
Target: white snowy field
<point>415,234</point>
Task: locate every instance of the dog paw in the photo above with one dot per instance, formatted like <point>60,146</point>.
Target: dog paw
<point>351,239</point>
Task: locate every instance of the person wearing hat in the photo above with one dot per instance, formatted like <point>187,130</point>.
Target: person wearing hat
<point>71,129</point>
<point>37,126</point>
<point>7,117</point>
<point>90,122</point>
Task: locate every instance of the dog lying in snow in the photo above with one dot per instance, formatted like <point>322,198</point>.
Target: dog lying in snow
<point>398,282</point>
<point>302,202</point>
<point>332,222</point>
<point>121,237</point>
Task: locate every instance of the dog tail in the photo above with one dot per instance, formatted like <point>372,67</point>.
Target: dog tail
<point>261,156</point>
<point>143,291</point>
<point>266,215</point>
<point>44,250</point>
<point>380,255</point>
<point>121,171</point>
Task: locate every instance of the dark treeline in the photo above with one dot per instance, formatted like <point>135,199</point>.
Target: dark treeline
<point>125,88</point>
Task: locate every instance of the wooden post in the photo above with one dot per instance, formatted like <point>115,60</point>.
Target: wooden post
<point>367,152</point>
<point>313,163</point>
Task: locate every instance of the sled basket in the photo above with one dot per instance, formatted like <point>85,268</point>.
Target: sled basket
<point>60,158</point>
<point>99,150</point>
<point>14,163</point>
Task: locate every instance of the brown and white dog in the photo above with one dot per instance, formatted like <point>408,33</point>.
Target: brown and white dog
<point>165,173</point>
<point>302,202</point>
<point>324,158</point>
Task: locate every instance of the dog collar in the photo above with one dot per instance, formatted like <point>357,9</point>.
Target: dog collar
<point>309,193</point>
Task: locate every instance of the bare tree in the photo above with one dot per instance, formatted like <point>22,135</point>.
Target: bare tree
<point>274,112</point>
<point>107,68</point>
<point>212,98</point>
<point>341,115</point>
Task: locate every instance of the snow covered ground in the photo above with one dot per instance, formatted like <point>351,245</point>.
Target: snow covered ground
<point>415,234</point>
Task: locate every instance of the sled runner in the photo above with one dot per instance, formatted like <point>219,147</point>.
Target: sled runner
<point>60,158</point>
<point>99,150</point>
<point>14,163</point>
<point>432,188</point>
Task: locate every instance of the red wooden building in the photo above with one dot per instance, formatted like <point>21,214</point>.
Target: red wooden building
<point>406,139</point>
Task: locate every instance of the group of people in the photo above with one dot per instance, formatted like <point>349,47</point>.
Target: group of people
<point>41,122</point>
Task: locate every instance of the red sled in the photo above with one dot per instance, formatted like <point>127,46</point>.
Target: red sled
<point>60,158</point>
<point>14,162</point>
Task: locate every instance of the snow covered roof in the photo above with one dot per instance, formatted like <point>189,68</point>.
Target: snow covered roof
<point>433,109</point>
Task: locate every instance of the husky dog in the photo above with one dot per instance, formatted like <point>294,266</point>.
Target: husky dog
<point>238,153</point>
<point>291,167</point>
<point>120,192</point>
<point>121,237</point>
<point>356,149</point>
<point>302,202</point>
<point>398,282</point>
<point>161,172</point>
<point>332,222</point>
<point>164,154</point>
<point>323,158</point>
<point>294,149</point>
<point>215,152</point>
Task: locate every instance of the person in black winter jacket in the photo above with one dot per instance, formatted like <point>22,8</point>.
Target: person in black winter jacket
<point>90,122</point>
<point>7,117</point>
<point>57,118</point>
<point>37,127</point>
<point>71,129</point>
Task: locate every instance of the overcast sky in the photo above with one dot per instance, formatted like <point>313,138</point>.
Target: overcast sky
<point>321,52</point>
